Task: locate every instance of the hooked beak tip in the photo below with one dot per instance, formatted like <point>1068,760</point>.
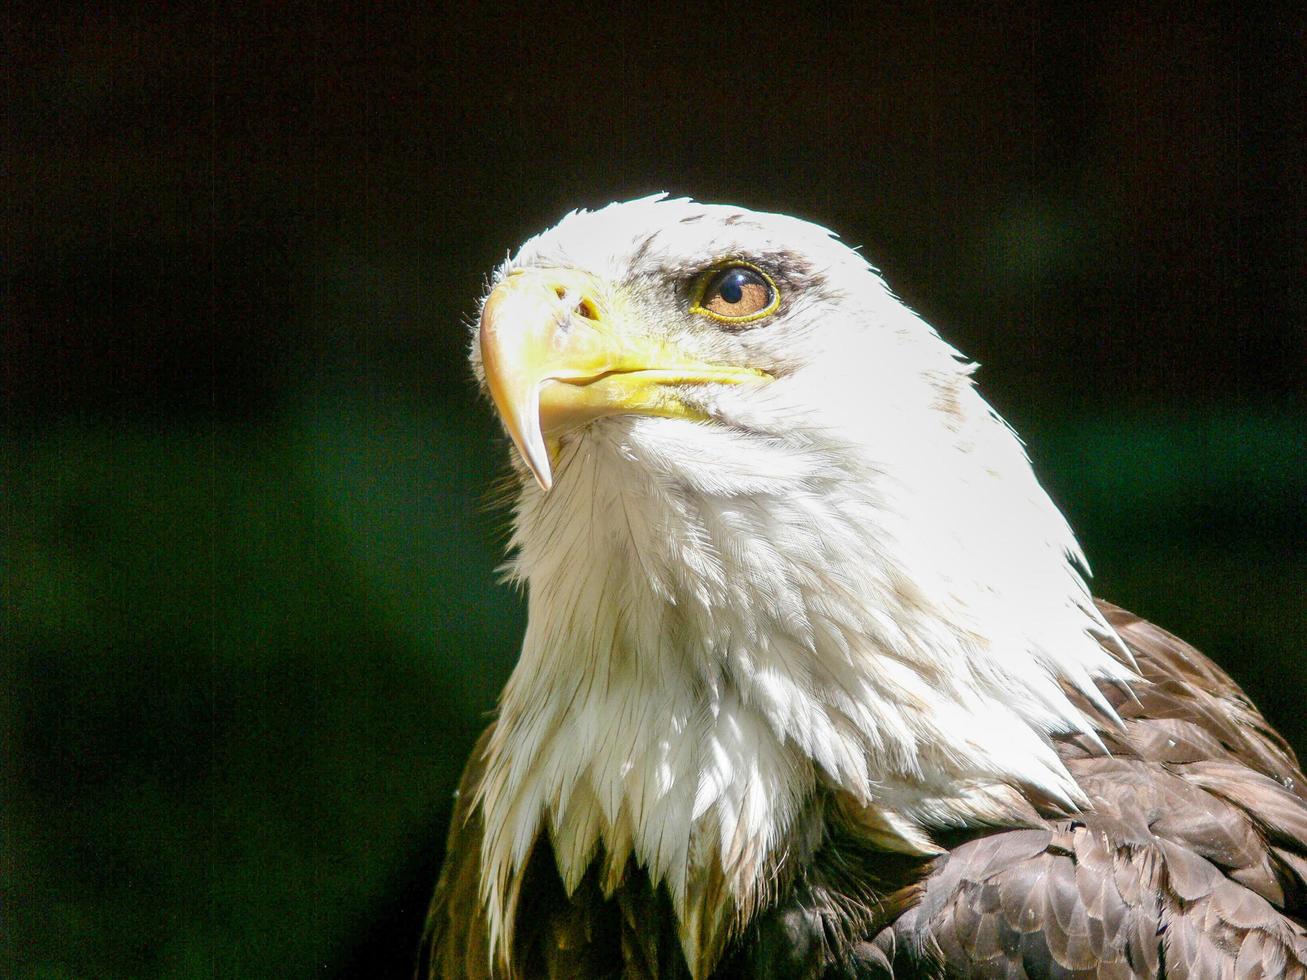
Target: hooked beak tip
<point>523,426</point>
<point>537,460</point>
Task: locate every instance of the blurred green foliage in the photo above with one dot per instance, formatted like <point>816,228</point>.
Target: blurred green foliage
<point>250,667</point>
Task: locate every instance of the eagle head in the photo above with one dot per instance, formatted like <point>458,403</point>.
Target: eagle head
<point>746,332</point>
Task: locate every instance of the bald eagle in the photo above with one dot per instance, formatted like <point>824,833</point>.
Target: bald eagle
<point>812,684</point>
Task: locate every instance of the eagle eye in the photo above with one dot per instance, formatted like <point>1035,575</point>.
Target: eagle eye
<point>736,293</point>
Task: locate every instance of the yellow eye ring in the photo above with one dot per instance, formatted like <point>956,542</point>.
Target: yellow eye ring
<point>735,284</point>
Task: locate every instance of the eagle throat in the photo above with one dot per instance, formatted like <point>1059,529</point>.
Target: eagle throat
<point>700,658</point>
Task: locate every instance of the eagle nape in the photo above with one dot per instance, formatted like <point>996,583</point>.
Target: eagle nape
<point>812,684</point>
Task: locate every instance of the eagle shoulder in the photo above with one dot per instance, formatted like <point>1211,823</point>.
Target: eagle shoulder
<point>1190,862</point>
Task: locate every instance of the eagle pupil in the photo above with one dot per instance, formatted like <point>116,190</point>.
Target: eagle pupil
<point>732,287</point>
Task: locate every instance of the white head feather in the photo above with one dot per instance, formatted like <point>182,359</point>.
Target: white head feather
<point>849,578</point>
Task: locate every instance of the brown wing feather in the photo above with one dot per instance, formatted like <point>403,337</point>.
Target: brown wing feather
<point>456,941</point>
<point>1192,694</point>
<point>1190,863</point>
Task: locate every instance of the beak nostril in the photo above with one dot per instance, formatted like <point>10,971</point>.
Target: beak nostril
<point>583,307</point>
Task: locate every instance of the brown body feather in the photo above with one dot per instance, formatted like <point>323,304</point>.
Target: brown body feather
<point>1191,862</point>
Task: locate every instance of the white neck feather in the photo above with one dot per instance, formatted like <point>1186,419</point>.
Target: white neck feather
<point>890,614</point>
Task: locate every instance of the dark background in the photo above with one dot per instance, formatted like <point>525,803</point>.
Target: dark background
<point>251,624</point>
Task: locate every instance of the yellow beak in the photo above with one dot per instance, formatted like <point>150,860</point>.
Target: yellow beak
<point>556,356</point>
